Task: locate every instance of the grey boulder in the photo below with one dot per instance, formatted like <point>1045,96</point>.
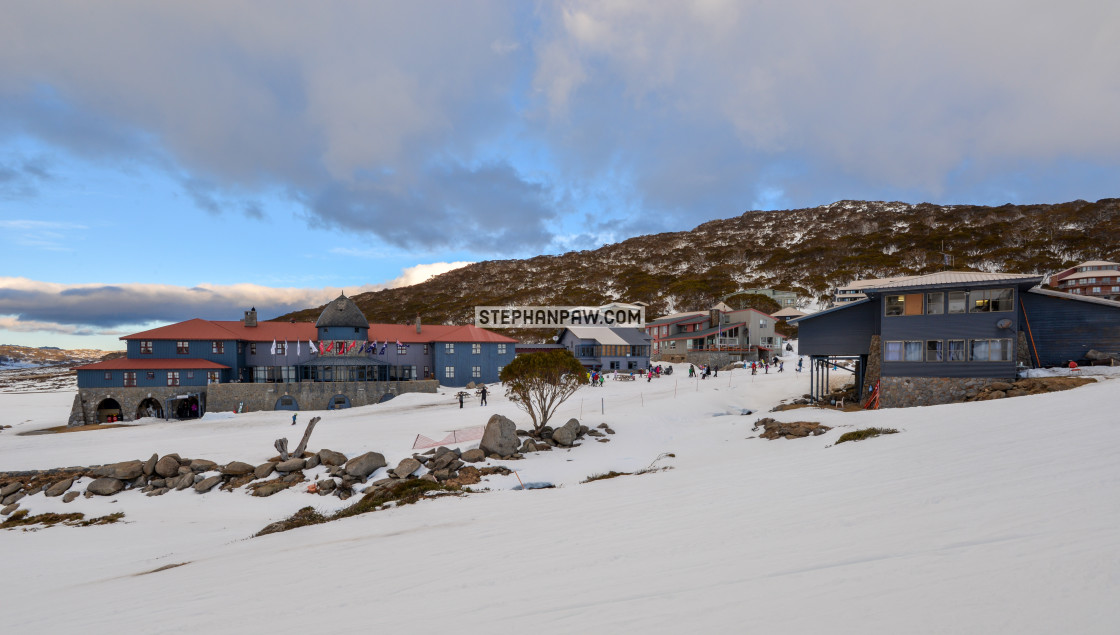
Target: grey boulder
<point>500,437</point>
<point>59,488</point>
<point>566,434</point>
<point>332,458</point>
<point>264,469</point>
<point>105,486</point>
<point>364,465</point>
<point>123,471</point>
<point>473,456</point>
<point>237,468</point>
<point>291,465</point>
<point>406,467</point>
<point>167,466</point>
<point>206,484</point>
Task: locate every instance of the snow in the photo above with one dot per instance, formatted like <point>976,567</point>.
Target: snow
<point>997,516</point>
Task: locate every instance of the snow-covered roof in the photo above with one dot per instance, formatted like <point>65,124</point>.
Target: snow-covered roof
<point>838,307</point>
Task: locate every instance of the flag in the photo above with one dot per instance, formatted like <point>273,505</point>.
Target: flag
<point>398,347</point>
<point>311,345</point>
<point>285,348</point>
<point>297,349</point>
<point>273,349</point>
<point>383,345</point>
<point>330,347</point>
<point>351,346</point>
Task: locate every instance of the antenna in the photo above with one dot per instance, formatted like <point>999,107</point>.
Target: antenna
<point>947,258</point>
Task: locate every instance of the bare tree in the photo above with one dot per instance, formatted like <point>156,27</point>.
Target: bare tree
<point>539,382</point>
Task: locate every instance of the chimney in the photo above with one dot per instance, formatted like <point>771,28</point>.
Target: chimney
<point>251,317</point>
<point>418,323</point>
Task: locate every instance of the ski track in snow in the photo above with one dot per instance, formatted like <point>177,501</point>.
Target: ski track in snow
<point>985,517</point>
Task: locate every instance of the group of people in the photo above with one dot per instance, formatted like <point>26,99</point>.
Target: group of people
<point>705,370</point>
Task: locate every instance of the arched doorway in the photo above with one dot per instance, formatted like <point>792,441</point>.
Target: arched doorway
<point>338,402</point>
<point>149,408</point>
<point>108,411</point>
<point>286,403</point>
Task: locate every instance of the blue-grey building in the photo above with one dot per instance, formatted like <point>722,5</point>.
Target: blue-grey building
<point>928,339</point>
<point>604,348</point>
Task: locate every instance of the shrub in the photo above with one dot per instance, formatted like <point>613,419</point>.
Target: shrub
<point>866,433</point>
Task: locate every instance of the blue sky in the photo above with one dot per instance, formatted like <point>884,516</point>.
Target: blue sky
<point>163,161</point>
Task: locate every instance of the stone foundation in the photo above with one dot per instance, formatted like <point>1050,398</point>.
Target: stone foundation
<point>902,392</point>
<point>704,357</point>
<point>250,397</point>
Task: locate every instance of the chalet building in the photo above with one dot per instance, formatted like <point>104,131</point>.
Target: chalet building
<point>788,314</point>
<point>853,291</point>
<point>1096,278</point>
<point>785,299</point>
<point>184,369</point>
<point>742,334</point>
<point>934,338</point>
<point>604,348</point>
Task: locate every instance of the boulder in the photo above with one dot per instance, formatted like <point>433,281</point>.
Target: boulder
<point>167,466</point>
<point>159,491</point>
<point>364,465</point>
<point>291,465</point>
<point>123,471</point>
<point>429,477</point>
<point>999,385</point>
<point>443,460</point>
<point>312,461</point>
<point>528,446</point>
<point>12,498</point>
<point>237,468</point>
<point>270,488</point>
<point>474,456</point>
<point>207,484</point>
<point>150,465</point>
<point>264,469</point>
<point>567,433</point>
<point>59,488</point>
<point>10,488</point>
<point>500,437</point>
<point>406,467</point>
<point>9,509</point>
<point>185,481</point>
<point>70,496</point>
<point>106,485</point>
<point>332,458</point>
<point>202,465</point>
<point>326,485</point>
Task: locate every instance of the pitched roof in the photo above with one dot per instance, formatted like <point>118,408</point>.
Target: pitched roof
<point>196,329</point>
<point>605,335</point>
<point>342,312</point>
<point>838,307</point>
<point>1098,263</point>
<point>1098,273</point>
<point>145,363</point>
<point>705,333</point>
<point>956,277</point>
<point>406,333</point>
<point>1075,296</point>
<point>789,311</point>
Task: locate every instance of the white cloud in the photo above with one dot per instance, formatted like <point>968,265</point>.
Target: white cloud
<point>420,273</point>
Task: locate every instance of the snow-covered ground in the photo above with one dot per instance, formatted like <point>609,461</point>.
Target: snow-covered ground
<point>991,517</point>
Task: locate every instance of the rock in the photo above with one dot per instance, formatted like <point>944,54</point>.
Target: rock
<point>470,385</point>
<point>185,481</point>
<point>999,385</point>
<point>159,491</point>
<point>1016,392</point>
<point>167,466</point>
<point>270,488</point>
<point>202,465</point>
<point>11,498</point>
<point>264,469</point>
<point>332,458</point>
<point>139,481</point>
<point>10,488</point>
<point>106,485</point>
<point>70,496</point>
<point>997,394</point>
<point>442,460</point>
<point>124,471</point>
<point>184,469</point>
<point>207,484</point>
<point>59,488</point>
<point>795,429</point>
<point>528,446</point>
<point>312,461</point>
<point>150,465</point>
<point>609,431</point>
<point>602,426</point>
<point>474,456</point>
<point>467,476</point>
<point>567,433</point>
<point>292,477</point>
<point>429,477</point>
<point>157,483</point>
<point>364,465</point>
<point>237,468</point>
<point>326,485</point>
<point>9,509</point>
<point>439,475</point>
<point>595,433</point>
<point>406,467</point>
<point>500,437</point>
<point>291,465</point>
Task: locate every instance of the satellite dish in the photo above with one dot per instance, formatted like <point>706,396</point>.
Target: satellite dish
<point>555,338</point>
<point>1005,323</point>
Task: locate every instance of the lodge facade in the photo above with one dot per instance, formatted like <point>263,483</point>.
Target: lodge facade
<point>183,370</point>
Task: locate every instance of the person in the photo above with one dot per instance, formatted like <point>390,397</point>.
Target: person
<point>293,419</point>
<point>483,395</point>
<point>601,378</point>
<point>649,376</point>
<point>800,361</point>
<point>754,369</point>
<point>461,395</point>
<point>691,371</point>
<point>717,372</point>
<point>781,366</point>
<point>766,367</point>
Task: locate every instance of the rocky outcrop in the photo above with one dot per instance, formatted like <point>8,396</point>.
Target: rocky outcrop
<point>790,430</point>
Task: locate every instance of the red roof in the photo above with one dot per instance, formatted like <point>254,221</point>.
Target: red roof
<point>196,329</point>
<point>406,333</point>
<point>268,331</point>
<point>123,363</point>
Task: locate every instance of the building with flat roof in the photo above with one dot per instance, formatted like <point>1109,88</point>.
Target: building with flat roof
<point>1096,278</point>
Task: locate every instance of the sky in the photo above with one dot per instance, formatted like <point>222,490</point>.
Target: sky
<point>165,161</point>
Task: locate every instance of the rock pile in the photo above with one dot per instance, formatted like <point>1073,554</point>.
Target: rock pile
<point>789,430</point>
<point>1022,387</point>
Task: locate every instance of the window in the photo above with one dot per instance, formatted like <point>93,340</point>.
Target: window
<point>1115,289</point>
<point>240,348</point>
<point>990,350</point>
<point>935,304</point>
<point>449,372</point>
<point>217,348</point>
<point>989,300</point>
<point>761,324</point>
<point>956,351</point>
<point>501,349</point>
<point>129,378</point>
<point>281,348</point>
<point>190,374</point>
<point>903,351</point>
<point>934,351</point>
<point>664,330</point>
<point>894,304</point>
<point>427,373</point>
<point>500,370</point>
<point>1090,281</point>
<point>402,349</point>
<point>449,348</point>
<point>476,371</point>
<point>958,302</point>
<point>151,374</point>
<point>253,348</point>
<point>476,348</point>
<point>425,349</point>
<point>212,377</point>
<point>172,378</point>
<point>1096,289</point>
<point>146,347</point>
<point>183,348</point>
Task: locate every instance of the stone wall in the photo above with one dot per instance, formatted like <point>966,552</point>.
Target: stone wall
<point>253,397</point>
<point>874,362</point>
<point>1022,353</point>
<point>902,392</point>
<point>704,357</point>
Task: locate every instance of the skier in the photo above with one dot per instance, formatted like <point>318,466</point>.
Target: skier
<point>691,371</point>
<point>800,361</point>
<point>461,394</point>
<point>293,419</point>
<point>483,395</point>
<point>781,366</point>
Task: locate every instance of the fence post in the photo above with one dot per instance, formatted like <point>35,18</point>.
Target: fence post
<point>602,405</point>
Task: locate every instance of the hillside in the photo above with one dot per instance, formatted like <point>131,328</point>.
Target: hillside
<point>27,356</point>
<point>809,251</point>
